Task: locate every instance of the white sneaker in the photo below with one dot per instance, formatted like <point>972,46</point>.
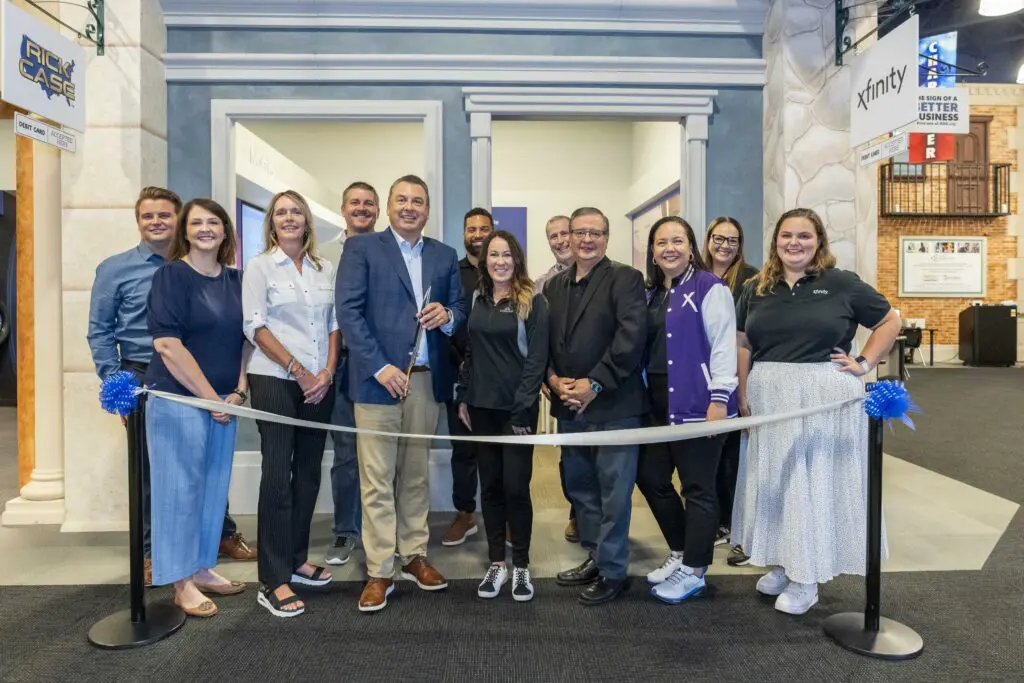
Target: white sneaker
<point>773,583</point>
<point>682,584</point>
<point>494,579</point>
<point>673,562</point>
<point>797,598</point>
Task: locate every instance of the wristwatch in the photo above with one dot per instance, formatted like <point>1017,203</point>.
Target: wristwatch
<point>595,387</point>
<point>241,394</point>
<point>863,364</point>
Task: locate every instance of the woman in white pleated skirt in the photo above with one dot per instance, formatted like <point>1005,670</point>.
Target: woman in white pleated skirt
<point>801,493</point>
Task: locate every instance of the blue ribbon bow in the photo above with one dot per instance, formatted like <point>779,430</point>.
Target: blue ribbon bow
<point>119,393</point>
<point>889,400</point>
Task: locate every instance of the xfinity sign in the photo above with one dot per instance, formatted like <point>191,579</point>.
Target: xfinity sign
<point>885,85</point>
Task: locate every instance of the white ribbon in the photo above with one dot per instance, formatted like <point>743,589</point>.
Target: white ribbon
<point>617,437</point>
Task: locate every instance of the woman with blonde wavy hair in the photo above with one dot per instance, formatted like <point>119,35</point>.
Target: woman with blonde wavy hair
<point>499,393</point>
<point>288,314</point>
<point>801,494</point>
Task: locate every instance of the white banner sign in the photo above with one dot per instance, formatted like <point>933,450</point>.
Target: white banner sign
<point>897,144</point>
<point>43,132</point>
<point>40,70</point>
<point>943,110</point>
<point>942,266</point>
<point>885,85</point>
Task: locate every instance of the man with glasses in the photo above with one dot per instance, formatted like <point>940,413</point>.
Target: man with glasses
<point>598,318</point>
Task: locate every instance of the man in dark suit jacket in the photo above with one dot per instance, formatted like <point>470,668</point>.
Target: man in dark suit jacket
<point>398,378</point>
<point>598,322</point>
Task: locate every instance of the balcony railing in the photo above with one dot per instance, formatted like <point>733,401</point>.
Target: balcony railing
<point>946,188</point>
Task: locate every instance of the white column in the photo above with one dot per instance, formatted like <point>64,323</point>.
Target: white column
<point>695,171</point>
<point>42,498</point>
<point>480,134</point>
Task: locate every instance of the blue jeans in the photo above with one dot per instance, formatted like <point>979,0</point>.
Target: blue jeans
<point>348,510</point>
<point>230,528</point>
<point>190,461</point>
<point>600,483</point>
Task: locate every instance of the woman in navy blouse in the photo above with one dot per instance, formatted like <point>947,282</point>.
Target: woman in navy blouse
<point>195,317</point>
<point>691,377</point>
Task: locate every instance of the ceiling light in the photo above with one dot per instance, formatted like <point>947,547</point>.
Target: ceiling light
<point>997,8</point>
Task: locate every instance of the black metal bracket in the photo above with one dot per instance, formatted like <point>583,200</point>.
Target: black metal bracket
<point>981,69</point>
<point>93,31</point>
<point>844,44</point>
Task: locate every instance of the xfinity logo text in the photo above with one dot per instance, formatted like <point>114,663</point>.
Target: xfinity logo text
<point>821,291</point>
<point>877,88</point>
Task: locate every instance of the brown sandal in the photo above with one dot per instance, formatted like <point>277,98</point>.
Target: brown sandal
<point>230,588</point>
<point>204,610</point>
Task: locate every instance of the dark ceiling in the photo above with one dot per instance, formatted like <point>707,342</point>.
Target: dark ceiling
<point>998,41</point>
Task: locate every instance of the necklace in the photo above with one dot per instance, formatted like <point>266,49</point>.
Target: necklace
<point>200,270</point>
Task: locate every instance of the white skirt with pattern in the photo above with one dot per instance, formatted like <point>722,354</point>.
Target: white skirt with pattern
<point>801,493</point>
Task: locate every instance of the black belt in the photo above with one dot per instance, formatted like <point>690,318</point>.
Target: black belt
<point>138,367</point>
<point>420,368</point>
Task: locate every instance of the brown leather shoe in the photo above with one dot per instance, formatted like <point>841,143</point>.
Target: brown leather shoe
<point>572,532</point>
<point>462,526</point>
<point>425,576</point>
<point>375,595</point>
<point>237,548</point>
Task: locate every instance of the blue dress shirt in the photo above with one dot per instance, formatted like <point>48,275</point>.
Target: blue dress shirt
<point>117,310</point>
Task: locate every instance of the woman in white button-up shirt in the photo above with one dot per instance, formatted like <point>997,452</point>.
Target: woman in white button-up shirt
<point>288,311</point>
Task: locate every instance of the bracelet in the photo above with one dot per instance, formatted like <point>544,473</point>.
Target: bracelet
<point>291,362</point>
<point>241,394</point>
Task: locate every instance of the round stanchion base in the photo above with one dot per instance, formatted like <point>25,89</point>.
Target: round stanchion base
<point>118,632</point>
<point>892,640</point>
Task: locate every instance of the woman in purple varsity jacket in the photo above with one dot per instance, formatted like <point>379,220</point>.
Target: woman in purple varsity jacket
<point>691,377</point>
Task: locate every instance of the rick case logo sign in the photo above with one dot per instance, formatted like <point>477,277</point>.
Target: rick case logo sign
<point>48,69</point>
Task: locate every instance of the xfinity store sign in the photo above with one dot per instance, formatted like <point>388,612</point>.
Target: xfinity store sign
<point>885,85</point>
<point>40,70</point>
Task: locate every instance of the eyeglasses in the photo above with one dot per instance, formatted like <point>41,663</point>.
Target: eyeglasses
<point>592,234</point>
<point>722,239</point>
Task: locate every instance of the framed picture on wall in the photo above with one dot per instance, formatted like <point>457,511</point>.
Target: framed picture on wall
<point>667,203</point>
<point>942,266</point>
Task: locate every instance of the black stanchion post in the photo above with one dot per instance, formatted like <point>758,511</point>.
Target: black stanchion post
<point>870,633</point>
<point>136,626</point>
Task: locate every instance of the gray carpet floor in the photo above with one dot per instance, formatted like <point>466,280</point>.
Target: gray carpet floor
<point>971,621</point>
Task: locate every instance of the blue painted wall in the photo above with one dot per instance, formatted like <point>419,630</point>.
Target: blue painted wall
<point>734,146</point>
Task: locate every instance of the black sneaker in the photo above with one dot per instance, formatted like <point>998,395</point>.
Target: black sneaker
<point>738,558</point>
<point>522,587</point>
<point>722,537</point>
<point>341,551</point>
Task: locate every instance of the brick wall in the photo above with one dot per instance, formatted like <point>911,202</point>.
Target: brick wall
<point>942,313</point>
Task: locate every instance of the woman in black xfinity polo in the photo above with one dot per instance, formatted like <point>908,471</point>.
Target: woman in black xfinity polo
<point>499,392</point>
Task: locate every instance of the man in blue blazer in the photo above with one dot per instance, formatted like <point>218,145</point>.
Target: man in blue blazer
<point>390,285</point>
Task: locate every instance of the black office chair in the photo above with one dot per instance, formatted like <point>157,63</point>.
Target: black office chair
<point>913,342</point>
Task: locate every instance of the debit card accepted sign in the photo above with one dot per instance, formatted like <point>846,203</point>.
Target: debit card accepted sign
<point>28,127</point>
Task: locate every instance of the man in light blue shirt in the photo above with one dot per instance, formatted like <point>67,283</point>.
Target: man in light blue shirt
<point>399,298</point>
<point>119,335</point>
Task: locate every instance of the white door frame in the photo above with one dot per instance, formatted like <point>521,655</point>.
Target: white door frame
<point>224,114</point>
<point>690,108</point>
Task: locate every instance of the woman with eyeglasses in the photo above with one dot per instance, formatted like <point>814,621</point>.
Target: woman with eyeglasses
<point>723,252</point>
<point>691,377</point>
<point>499,394</point>
<point>288,301</point>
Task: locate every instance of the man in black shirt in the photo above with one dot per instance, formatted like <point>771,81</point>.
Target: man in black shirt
<point>598,327</point>
<point>476,226</point>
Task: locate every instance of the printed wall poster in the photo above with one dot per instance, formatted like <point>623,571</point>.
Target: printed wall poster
<point>942,266</point>
<point>512,219</point>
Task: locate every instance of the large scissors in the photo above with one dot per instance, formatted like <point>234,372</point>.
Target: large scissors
<point>419,339</point>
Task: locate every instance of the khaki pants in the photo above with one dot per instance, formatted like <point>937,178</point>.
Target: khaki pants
<point>393,477</point>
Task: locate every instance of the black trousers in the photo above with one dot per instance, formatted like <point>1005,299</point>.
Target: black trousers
<point>464,462</point>
<point>291,475</point>
<point>690,530</point>
<point>505,474</point>
<point>728,469</point>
